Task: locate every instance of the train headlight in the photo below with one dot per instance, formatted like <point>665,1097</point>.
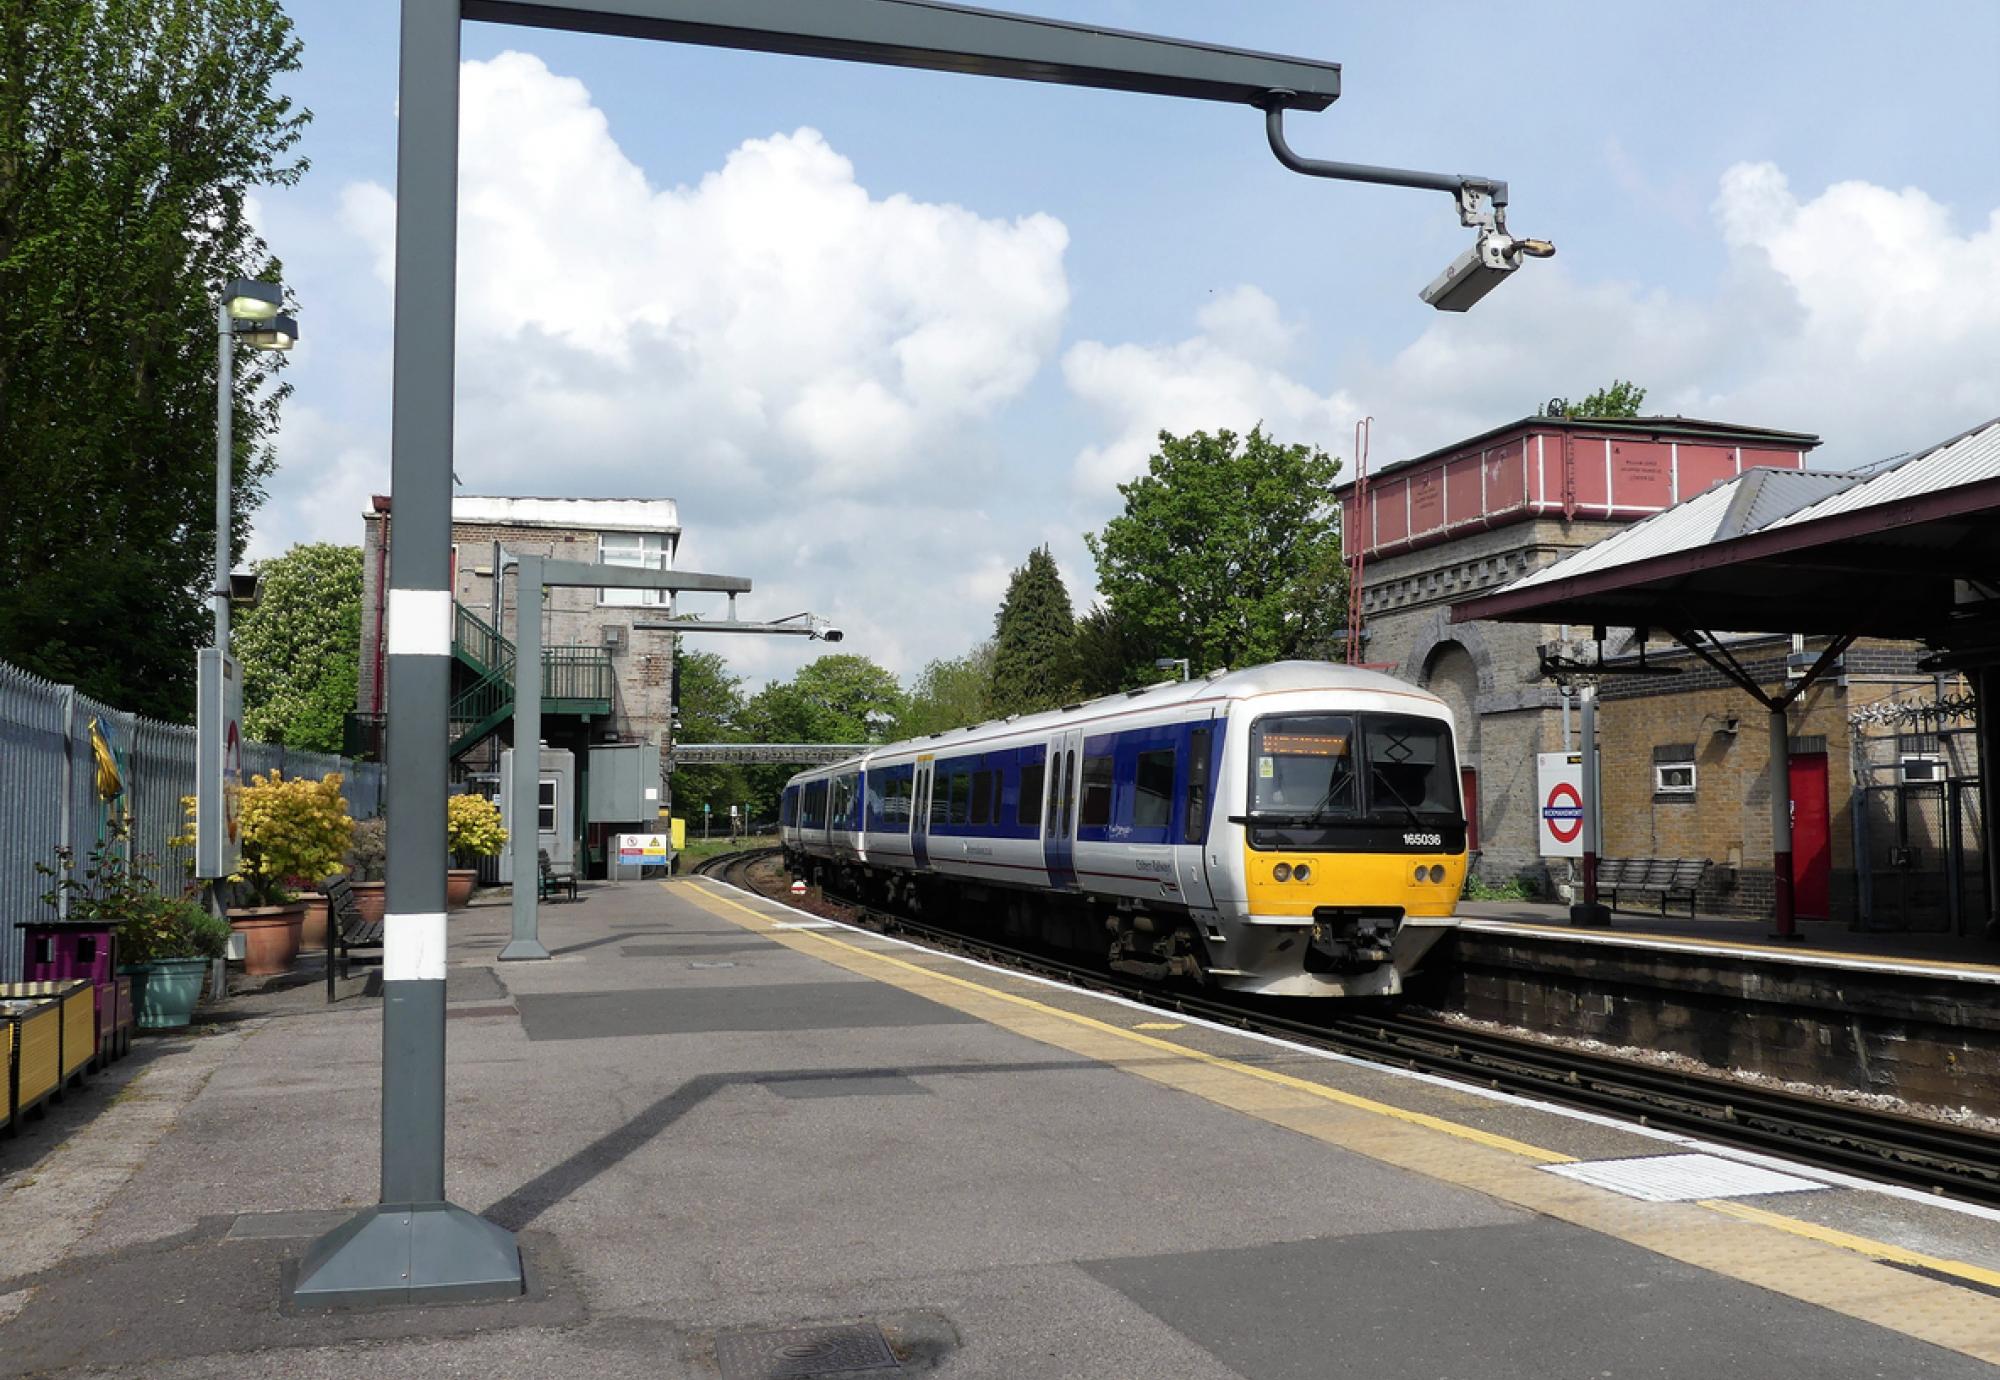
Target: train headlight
<point>1437,872</point>
<point>1422,872</point>
<point>1282,872</point>
<point>1301,873</point>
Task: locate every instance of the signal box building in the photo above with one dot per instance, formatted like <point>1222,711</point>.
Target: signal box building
<point>1475,515</point>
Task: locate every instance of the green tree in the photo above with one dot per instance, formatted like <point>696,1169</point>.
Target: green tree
<point>1111,653</point>
<point>131,132</point>
<point>1223,552</point>
<point>949,693</point>
<point>1032,635</point>
<point>1622,399</point>
<point>836,699</point>
<point>711,710</point>
<point>301,647</point>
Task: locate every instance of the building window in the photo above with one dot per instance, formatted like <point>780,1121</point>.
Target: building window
<point>1673,778</point>
<point>1921,767</point>
<point>646,550</point>
<point>545,807</point>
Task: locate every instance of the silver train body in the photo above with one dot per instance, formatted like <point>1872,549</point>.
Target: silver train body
<point>1289,830</point>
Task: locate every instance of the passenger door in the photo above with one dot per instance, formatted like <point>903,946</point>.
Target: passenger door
<point>1059,820</point>
<point>920,815</point>
<point>1196,812</point>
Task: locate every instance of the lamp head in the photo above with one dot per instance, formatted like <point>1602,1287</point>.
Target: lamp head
<point>279,333</point>
<point>250,300</point>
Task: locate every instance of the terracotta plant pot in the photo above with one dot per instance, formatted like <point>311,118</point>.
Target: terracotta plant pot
<point>458,884</point>
<point>312,933</point>
<point>270,937</point>
<point>371,899</point>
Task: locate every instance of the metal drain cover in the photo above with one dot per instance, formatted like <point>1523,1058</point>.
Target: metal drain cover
<point>803,1351</point>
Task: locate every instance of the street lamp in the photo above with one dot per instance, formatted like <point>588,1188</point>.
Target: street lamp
<point>248,311</point>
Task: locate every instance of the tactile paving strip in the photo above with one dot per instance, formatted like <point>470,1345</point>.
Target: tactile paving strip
<point>803,1351</point>
<point>1682,1178</point>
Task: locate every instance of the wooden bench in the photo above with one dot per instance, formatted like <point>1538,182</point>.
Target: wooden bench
<point>346,930</point>
<point>1673,879</point>
<point>553,879</point>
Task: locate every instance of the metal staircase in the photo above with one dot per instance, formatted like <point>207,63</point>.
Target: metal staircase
<point>576,680</point>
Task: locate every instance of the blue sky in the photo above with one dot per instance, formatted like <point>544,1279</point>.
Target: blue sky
<point>923,322</point>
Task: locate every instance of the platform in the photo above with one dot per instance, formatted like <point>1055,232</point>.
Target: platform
<point>717,1124</point>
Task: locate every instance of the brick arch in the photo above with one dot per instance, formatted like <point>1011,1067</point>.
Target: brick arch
<point>1439,632</point>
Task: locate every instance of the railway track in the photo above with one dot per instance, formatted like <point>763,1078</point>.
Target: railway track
<point>1915,1152</point>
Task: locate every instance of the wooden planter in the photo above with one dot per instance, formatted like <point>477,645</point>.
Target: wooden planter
<point>270,937</point>
<point>458,884</point>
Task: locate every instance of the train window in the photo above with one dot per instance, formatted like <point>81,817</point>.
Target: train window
<point>1096,811</point>
<point>1153,804</point>
<point>1303,764</point>
<point>940,800</point>
<point>1028,810</point>
<point>1409,767</point>
<point>999,783</point>
<point>843,796</point>
<point>896,801</point>
<point>1194,828</point>
<point>982,798</point>
<point>960,797</point>
<point>1056,797</point>
<point>1069,794</point>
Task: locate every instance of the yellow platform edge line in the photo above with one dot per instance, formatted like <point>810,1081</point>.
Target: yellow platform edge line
<point>1827,1236</point>
<point>1847,1241</point>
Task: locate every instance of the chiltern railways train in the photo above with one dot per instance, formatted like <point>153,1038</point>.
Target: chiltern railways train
<point>1292,830</point>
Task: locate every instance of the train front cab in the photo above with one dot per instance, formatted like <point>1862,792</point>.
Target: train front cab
<point>1352,843</point>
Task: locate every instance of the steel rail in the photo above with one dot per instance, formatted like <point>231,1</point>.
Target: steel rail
<point>1914,1152</point>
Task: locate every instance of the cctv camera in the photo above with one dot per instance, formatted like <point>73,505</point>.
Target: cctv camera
<point>1480,269</point>
<point>832,635</point>
<point>244,587</point>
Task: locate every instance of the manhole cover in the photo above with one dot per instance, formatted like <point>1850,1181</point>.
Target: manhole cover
<point>803,1351</point>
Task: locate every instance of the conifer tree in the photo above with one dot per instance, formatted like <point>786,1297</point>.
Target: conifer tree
<point>1033,633</point>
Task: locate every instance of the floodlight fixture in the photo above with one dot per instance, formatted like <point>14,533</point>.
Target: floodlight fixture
<point>280,332</point>
<point>249,300</point>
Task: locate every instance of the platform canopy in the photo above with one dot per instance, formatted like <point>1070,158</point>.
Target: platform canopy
<point>1907,549</point>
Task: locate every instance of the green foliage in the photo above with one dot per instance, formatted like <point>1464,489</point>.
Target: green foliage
<point>831,700</point>
<point>1622,399</point>
<point>711,709</point>
<point>116,891</point>
<point>949,693</point>
<point>1033,633</point>
<point>295,832</point>
<point>131,132</point>
<point>1513,889</point>
<point>367,856</point>
<point>301,647</point>
<point>1112,652</point>
<point>1227,552</point>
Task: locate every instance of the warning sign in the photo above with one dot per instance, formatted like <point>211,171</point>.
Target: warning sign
<point>1559,788</point>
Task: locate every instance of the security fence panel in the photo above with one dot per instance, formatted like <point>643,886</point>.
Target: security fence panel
<point>51,795</point>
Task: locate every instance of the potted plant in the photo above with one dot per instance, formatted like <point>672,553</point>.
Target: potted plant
<point>472,830</point>
<point>165,944</point>
<point>294,833</point>
<point>367,862</point>
<point>166,950</point>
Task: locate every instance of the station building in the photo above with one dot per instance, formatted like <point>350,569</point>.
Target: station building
<point>604,684</point>
<point>1483,512</point>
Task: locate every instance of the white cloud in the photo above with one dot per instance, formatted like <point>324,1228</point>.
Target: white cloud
<point>775,319</point>
<point>1233,374</point>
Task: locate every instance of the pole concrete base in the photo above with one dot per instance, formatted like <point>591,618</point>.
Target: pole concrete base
<point>416,1253</point>
<point>518,949</point>
<point>1590,915</point>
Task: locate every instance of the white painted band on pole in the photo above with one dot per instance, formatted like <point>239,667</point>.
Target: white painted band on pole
<point>419,622</point>
<point>413,948</point>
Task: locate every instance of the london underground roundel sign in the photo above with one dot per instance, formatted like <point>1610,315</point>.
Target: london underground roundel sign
<point>1563,812</point>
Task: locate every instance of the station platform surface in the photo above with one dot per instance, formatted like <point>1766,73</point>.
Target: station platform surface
<point>1819,941</point>
<point>712,1120</point>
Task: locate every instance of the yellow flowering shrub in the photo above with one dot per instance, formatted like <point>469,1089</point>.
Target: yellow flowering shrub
<point>294,833</point>
<point>472,826</point>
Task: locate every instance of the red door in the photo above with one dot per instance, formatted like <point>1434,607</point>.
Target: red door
<point>1812,857</point>
<point>1468,783</point>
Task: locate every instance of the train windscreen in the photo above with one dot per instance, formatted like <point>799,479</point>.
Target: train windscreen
<point>1353,781</point>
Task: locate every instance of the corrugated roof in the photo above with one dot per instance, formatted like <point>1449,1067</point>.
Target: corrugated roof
<point>1729,509</point>
<point>1965,459</point>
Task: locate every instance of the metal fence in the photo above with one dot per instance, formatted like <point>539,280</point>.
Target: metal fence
<point>48,792</point>
<point>1918,820</point>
